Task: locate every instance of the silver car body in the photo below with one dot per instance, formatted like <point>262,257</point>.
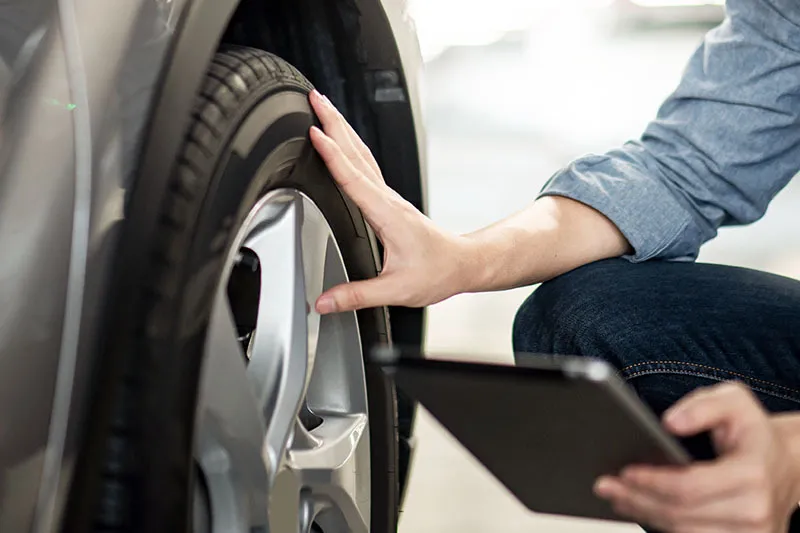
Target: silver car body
<point>84,87</point>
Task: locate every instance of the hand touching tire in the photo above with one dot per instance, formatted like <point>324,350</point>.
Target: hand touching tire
<point>422,264</point>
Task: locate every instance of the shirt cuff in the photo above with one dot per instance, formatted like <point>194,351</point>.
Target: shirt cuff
<point>643,208</point>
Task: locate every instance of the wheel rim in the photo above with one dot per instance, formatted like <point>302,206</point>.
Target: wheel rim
<point>283,432</point>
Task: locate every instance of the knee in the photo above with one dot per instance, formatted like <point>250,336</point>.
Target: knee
<point>575,314</point>
<point>530,333</point>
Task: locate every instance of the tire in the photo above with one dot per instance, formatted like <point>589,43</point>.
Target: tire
<point>147,486</point>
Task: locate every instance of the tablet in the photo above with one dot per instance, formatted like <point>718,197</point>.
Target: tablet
<point>546,430</point>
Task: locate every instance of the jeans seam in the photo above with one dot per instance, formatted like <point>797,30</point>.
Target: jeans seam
<point>714,378</point>
<point>714,369</point>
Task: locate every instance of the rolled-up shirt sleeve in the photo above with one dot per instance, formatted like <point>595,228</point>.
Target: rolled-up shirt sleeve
<point>721,147</point>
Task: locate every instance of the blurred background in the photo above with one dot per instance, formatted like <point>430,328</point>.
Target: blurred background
<point>514,90</point>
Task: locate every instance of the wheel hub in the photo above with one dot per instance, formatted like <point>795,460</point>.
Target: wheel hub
<point>283,433</point>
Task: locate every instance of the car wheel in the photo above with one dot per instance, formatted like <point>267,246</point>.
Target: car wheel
<point>243,409</point>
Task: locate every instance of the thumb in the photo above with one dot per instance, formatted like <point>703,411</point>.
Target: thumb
<point>726,410</point>
<point>376,292</point>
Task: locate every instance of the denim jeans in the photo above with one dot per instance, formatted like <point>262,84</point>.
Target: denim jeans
<point>670,327</point>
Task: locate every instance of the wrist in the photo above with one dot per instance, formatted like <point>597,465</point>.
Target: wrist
<point>472,266</point>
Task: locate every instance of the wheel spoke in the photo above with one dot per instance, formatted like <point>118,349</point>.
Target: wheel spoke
<point>318,248</point>
<point>337,385</point>
<point>279,361</point>
<point>230,442</point>
<point>332,471</point>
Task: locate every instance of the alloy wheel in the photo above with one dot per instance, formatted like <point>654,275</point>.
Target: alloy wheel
<point>283,434</point>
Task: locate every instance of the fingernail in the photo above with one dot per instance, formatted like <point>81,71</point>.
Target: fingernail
<point>318,133</point>
<point>326,305</point>
<point>675,417</point>
<point>316,94</point>
<point>601,486</point>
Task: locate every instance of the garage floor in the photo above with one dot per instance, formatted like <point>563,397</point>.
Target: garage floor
<point>502,118</point>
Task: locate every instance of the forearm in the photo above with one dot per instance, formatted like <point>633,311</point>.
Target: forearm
<point>549,238</point>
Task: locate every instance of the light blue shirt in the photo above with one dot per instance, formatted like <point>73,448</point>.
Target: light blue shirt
<point>722,145</point>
